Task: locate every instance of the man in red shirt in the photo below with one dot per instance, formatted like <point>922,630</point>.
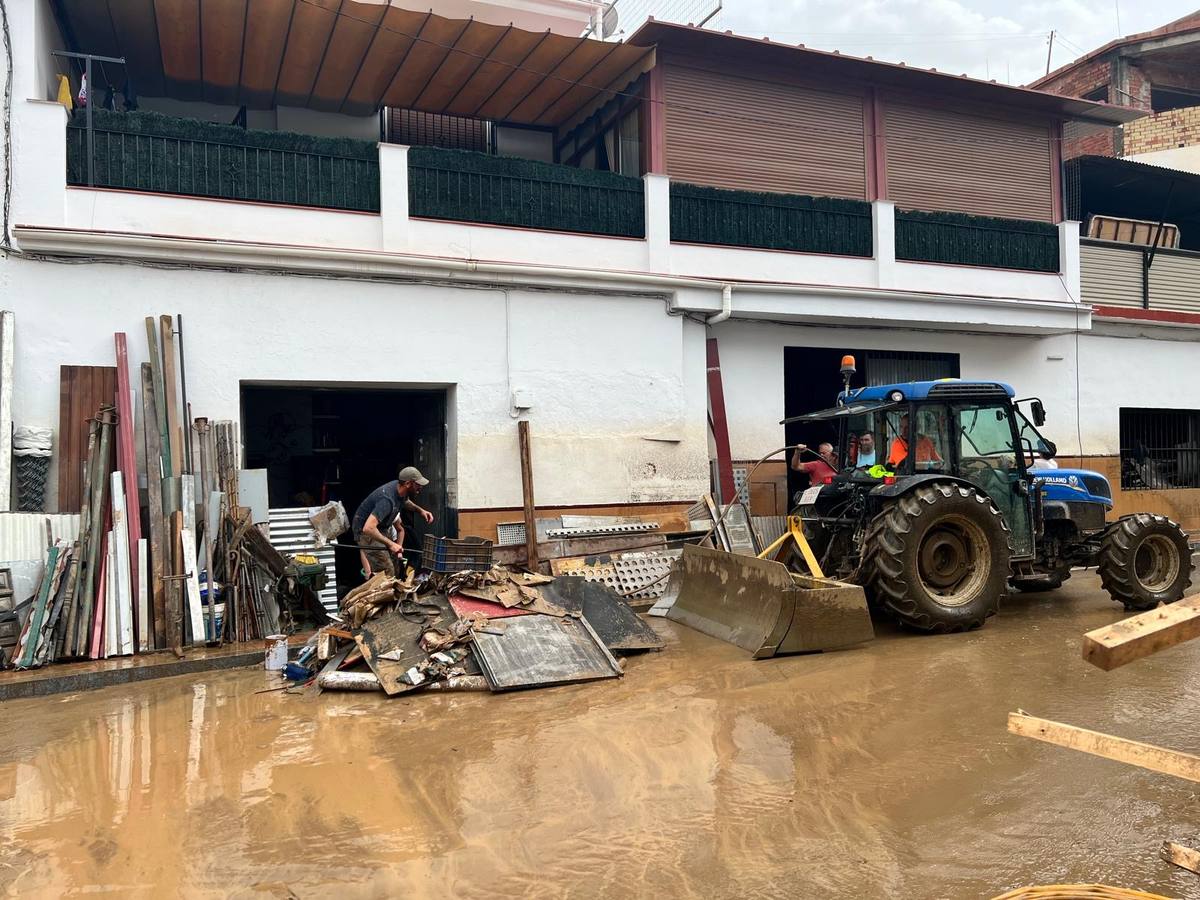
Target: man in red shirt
<point>819,469</point>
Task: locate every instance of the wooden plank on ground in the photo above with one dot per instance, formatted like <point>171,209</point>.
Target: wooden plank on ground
<point>82,390</point>
<point>531,548</point>
<point>1135,753</point>
<point>127,466</point>
<point>160,552</point>
<point>171,389</point>
<point>160,395</point>
<point>122,580</point>
<point>143,597</point>
<point>175,586</point>
<point>1139,636</point>
<point>1179,855</point>
<point>192,584</point>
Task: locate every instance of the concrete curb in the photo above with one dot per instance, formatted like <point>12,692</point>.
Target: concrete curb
<point>85,681</point>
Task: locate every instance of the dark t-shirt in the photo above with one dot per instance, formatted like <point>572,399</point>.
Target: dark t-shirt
<point>384,502</point>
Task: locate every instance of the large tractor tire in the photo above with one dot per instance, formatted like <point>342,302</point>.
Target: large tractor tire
<point>938,558</point>
<point>1144,561</point>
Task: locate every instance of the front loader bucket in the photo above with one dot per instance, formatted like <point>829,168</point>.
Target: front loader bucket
<point>762,607</point>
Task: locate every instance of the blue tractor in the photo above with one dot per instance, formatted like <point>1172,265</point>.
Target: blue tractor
<point>938,504</point>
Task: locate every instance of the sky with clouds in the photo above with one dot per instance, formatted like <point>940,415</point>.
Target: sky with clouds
<point>1002,39</point>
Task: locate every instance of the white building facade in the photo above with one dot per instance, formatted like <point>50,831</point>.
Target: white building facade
<point>598,340</point>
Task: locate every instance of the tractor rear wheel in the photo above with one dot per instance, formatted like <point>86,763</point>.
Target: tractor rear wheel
<point>1144,561</point>
<point>938,558</point>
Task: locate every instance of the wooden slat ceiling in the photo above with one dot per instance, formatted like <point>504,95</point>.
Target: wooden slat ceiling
<point>348,56</point>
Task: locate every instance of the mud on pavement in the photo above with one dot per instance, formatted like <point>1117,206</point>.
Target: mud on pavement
<point>883,771</point>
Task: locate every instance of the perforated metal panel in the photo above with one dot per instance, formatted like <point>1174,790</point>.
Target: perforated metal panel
<point>509,533</point>
<point>643,576</point>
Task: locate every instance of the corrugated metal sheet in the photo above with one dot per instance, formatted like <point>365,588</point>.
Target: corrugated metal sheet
<point>291,533</point>
<point>1175,282</point>
<point>945,160</point>
<point>1111,276</point>
<point>803,140</point>
<point>23,535</point>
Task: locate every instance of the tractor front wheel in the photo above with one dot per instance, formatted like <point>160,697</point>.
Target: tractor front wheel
<point>939,558</point>
<point>1145,560</point>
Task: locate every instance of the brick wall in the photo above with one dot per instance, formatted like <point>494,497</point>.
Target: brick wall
<point>1081,80</point>
<point>1163,131</point>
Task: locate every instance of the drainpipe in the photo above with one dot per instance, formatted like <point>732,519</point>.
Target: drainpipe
<point>726,306</point>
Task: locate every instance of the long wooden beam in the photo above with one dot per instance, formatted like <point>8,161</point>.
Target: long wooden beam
<point>1135,753</point>
<point>1139,636</point>
<point>1179,855</point>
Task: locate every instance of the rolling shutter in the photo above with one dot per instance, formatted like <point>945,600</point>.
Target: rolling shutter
<point>731,132</point>
<point>949,161</point>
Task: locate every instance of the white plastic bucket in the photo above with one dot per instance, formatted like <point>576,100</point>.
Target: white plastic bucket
<point>277,652</point>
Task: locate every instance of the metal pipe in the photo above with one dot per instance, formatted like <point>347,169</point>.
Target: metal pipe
<point>726,306</point>
<point>187,445</point>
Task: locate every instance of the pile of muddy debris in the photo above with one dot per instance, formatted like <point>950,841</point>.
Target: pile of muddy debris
<point>498,630</point>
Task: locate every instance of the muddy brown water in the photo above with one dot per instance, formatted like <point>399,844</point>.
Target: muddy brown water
<point>884,771</point>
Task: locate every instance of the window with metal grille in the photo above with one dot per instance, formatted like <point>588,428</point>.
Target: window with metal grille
<point>422,129</point>
<point>1160,449</point>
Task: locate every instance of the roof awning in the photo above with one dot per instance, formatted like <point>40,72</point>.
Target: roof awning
<point>349,56</point>
<point>834,68</point>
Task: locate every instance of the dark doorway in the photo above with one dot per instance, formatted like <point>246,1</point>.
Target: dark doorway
<point>322,444</point>
<point>812,381</point>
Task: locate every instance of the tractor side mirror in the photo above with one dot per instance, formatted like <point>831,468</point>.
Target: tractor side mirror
<point>1039,413</point>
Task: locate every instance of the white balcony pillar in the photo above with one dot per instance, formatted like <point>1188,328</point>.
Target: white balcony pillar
<point>657,191</point>
<point>883,237</point>
<point>39,163</point>
<point>393,196</point>
<point>1068,258</point>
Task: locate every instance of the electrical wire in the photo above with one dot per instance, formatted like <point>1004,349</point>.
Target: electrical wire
<point>724,116</point>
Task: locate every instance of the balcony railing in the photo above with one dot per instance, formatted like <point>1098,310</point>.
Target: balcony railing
<point>496,190</point>
<point>150,152</point>
<point>705,215</point>
<point>963,240</point>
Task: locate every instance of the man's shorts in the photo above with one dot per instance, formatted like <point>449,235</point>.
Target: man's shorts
<point>381,559</point>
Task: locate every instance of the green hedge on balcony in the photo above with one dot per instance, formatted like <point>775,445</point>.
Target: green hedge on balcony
<point>964,240</point>
<point>706,215</point>
<point>147,151</point>
<point>474,187</point>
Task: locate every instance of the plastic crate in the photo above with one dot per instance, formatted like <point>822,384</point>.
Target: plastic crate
<point>450,555</point>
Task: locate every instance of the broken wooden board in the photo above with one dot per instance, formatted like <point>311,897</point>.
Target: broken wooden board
<point>618,626</point>
<point>192,585</point>
<point>395,636</point>
<point>1140,636</point>
<point>1179,855</point>
<point>1134,753</point>
<point>539,651</point>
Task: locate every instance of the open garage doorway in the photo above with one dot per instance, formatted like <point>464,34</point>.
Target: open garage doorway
<point>324,443</point>
<point>812,381</point>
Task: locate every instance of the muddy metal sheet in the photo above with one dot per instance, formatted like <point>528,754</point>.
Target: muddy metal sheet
<point>620,628</point>
<point>397,637</point>
<point>538,651</point>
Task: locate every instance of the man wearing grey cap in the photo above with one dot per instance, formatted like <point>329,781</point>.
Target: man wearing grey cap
<point>378,518</point>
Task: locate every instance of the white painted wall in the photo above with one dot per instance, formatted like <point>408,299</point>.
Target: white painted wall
<point>1128,367</point>
<point>618,385</point>
<point>1186,159</point>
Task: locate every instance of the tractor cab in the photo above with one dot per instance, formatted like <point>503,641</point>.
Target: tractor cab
<point>940,503</point>
<point>924,430</point>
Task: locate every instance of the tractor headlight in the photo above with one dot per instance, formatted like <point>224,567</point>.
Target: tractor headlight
<point>896,396</point>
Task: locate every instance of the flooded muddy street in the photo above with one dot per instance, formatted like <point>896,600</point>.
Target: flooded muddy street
<point>884,771</point>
